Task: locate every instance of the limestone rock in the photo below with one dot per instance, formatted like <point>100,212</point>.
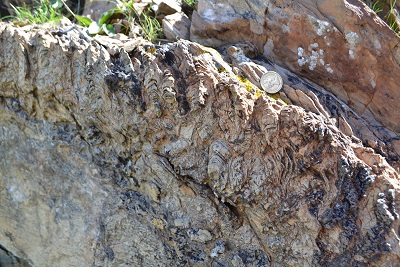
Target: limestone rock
<point>176,26</point>
<point>340,45</point>
<point>162,157</point>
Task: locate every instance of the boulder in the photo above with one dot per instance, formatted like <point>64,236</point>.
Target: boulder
<point>163,156</point>
<point>340,45</point>
<point>164,8</point>
<point>176,26</point>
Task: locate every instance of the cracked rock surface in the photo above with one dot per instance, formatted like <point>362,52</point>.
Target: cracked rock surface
<point>341,45</point>
<point>162,157</point>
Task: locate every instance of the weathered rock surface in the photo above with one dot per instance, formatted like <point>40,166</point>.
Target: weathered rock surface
<point>164,157</point>
<point>176,26</point>
<point>340,45</point>
<point>166,7</point>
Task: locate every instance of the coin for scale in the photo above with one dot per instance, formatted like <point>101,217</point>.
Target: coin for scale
<point>271,82</point>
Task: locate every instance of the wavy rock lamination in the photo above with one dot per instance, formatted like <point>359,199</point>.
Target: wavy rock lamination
<point>158,158</point>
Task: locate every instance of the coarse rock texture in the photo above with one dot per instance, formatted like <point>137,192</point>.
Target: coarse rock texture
<point>165,157</point>
<point>340,45</point>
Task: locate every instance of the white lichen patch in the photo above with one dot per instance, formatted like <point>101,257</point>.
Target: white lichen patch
<point>321,27</point>
<point>328,68</point>
<point>312,46</point>
<point>352,54</point>
<point>313,57</point>
<point>353,39</point>
<point>313,60</point>
<point>302,60</point>
<point>285,28</point>
<point>328,43</point>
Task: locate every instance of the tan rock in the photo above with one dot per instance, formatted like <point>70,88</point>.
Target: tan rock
<point>156,157</point>
<point>164,8</point>
<point>338,44</point>
<point>345,127</point>
<point>116,42</point>
<point>176,26</point>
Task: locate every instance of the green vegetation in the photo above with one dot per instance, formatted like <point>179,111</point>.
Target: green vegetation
<point>386,9</point>
<point>42,11</point>
<point>191,3</point>
<point>119,19</point>
<point>392,17</point>
<point>123,17</point>
<point>375,7</point>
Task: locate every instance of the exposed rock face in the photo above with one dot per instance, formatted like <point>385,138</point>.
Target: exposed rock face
<point>340,45</point>
<point>176,26</point>
<point>162,157</point>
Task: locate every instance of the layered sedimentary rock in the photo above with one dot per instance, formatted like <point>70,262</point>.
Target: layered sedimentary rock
<point>163,156</point>
<point>341,45</point>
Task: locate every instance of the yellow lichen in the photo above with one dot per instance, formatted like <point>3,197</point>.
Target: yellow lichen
<point>277,97</point>
<point>258,93</point>
<point>250,87</point>
<point>246,83</point>
<point>220,70</point>
<point>151,50</point>
<point>204,49</point>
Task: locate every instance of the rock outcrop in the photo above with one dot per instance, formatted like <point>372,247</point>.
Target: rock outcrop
<point>340,45</point>
<point>163,156</point>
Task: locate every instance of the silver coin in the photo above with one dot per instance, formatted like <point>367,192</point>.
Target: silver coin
<point>271,82</point>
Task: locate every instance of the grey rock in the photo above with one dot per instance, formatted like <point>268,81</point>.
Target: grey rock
<point>159,157</point>
<point>176,26</point>
<point>163,8</point>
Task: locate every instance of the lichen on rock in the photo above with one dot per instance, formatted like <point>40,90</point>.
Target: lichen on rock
<point>153,157</point>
